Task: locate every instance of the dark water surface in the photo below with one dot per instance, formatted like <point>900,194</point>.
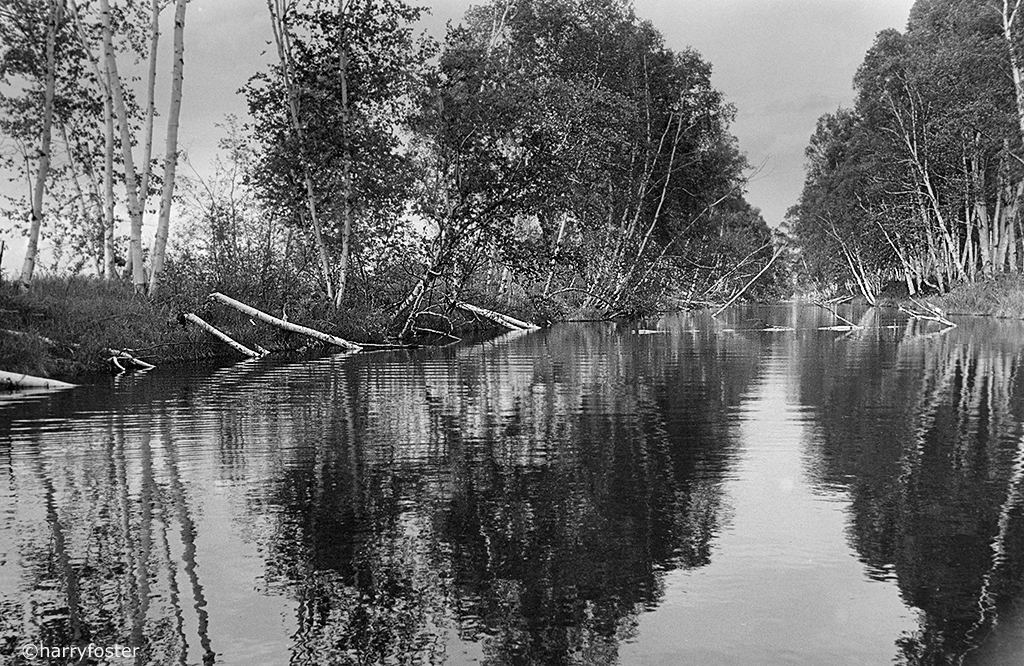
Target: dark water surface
<point>586,494</point>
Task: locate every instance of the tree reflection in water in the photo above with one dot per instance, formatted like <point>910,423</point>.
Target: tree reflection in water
<point>517,502</point>
<point>530,501</point>
<point>924,429</point>
<point>89,522</point>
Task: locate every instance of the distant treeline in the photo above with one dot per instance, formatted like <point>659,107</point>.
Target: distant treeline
<point>550,155</point>
<point>920,184</point>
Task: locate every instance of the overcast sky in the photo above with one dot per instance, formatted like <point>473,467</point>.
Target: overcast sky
<point>782,63</point>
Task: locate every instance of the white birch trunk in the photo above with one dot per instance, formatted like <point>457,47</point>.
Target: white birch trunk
<point>94,251</point>
<point>623,283</point>
<point>171,156</point>
<point>109,257</point>
<point>147,155</point>
<point>1009,18</point>
<point>39,189</point>
<point>280,29</point>
<point>346,231</point>
<point>96,199</point>
<point>107,205</point>
<point>220,335</point>
<point>285,325</point>
<point>134,204</point>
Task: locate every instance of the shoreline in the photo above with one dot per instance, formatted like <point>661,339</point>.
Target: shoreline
<point>63,328</point>
<point>67,328</point>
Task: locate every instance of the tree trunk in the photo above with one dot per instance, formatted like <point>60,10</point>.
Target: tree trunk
<point>96,197</point>
<point>981,214</point>
<point>346,192</point>
<point>554,254</point>
<point>1006,223</point>
<point>508,322</point>
<point>147,154</point>
<point>280,30</point>
<point>285,325</point>
<point>109,258</point>
<point>1009,18</point>
<point>221,335</point>
<point>94,251</point>
<point>131,186</point>
<point>171,150</point>
<point>346,208</point>
<point>103,81</point>
<point>908,270</point>
<point>56,16</point>
<point>623,284</point>
<point>613,271</point>
<point>410,306</point>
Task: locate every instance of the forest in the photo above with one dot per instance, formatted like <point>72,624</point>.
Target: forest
<point>917,188</point>
<point>551,158</point>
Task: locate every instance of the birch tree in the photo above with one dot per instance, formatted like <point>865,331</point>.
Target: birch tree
<point>53,16</point>
<point>280,12</point>
<point>104,190</point>
<point>346,176</point>
<point>135,201</point>
<point>48,87</point>
<point>934,147</point>
<point>328,114</point>
<point>171,149</point>
<point>1009,15</point>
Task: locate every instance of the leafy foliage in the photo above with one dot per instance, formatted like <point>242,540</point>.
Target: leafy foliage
<point>550,157</point>
<point>565,142</point>
<point>921,182</point>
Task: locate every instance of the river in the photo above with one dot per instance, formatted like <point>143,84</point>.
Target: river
<point>692,491</point>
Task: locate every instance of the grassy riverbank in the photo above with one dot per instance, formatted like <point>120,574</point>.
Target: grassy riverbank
<point>63,328</point>
<point>1002,296</point>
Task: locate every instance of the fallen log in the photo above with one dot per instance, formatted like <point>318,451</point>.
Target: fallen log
<point>837,316</point>
<point>930,313</point>
<point>286,325</point>
<point>220,335</point>
<point>433,331</point>
<point>117,356</point>
<point>14,381</point>
<point>510,323</point>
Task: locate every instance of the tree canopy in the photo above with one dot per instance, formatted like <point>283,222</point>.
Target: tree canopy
<point>550,156</point>
<point>920,183</point>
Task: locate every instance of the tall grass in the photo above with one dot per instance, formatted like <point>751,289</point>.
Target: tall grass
<point>63,326</point>
<point>1002,296</point>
